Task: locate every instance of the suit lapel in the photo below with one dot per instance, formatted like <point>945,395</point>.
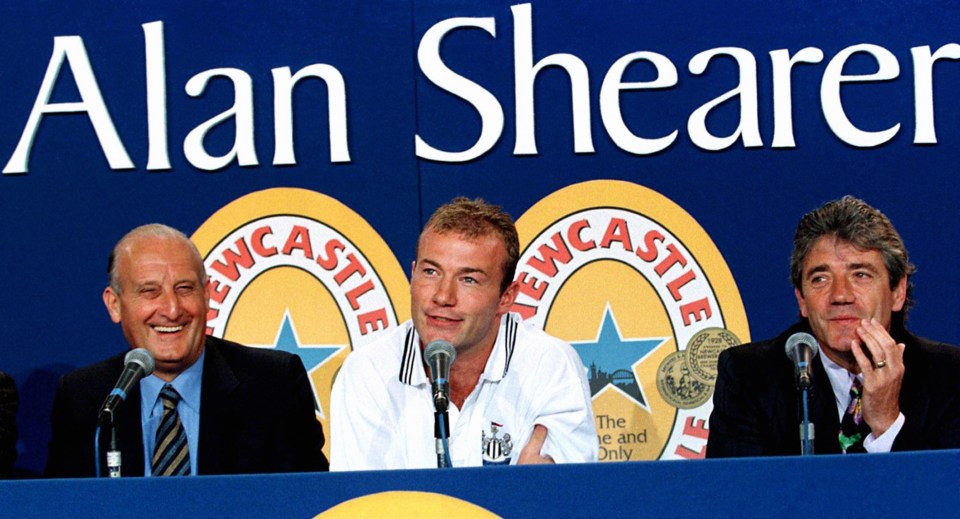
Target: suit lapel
<point>131,434</point>
<point>217,384</point>
<point>821,400</point>
<point>128,424</point>
<point>824,411</point>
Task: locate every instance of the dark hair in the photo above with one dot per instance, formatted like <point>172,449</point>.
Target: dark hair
<point>855,222</point>
<point>475,218</point>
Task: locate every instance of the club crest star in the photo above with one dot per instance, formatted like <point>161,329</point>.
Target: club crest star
<point>610,360</point>
<point>312,355</point>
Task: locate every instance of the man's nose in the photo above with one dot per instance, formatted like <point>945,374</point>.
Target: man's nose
<point>446,293</point>
<point>841,291</point>
<point>170,304</point>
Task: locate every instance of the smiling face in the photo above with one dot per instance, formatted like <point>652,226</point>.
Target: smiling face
<point>455,290</point>
<point>161,302</point>
<point>841,285</point>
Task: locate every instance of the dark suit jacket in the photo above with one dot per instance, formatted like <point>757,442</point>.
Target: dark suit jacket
<point>757,407</point>
<point>256,416</point>
<point>8,425</point>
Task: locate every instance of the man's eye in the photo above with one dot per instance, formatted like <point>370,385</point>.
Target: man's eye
<point>469,280</point>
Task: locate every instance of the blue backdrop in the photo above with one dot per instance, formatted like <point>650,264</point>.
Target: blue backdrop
<point>63,214</point>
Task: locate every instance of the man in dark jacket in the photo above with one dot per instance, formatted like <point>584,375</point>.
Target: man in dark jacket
<point>876,386</point>
<point>209,407</point>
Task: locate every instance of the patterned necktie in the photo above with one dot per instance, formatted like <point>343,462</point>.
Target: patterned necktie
<point>853,430</point>
<point>171,456</point>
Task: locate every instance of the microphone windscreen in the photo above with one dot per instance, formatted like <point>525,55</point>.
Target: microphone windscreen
<point>796,340</point>
<point>142,358</point>
<point>440,347</point>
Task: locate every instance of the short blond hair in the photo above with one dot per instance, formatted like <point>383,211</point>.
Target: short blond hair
<point>475,218</point>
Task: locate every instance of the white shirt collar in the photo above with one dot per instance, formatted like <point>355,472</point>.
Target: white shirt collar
<point>497,364</point>
<point>840,380</point>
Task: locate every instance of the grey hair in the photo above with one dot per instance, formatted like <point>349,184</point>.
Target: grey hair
<point>858,223</point>
<point>154,230</point>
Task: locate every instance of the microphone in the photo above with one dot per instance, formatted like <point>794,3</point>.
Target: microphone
<point>137,364</point>
<point>801,348</point>
<point>440,355</point>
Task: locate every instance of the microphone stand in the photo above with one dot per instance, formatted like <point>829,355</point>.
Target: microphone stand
<point>441,432</point>
<point>439,356</point>
<point>441,422</point>
<point>807,434</point>
<point>114,462</point>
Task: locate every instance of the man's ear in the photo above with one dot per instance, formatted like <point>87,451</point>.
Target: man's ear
<point>507,298</point>
<point>900,294</point>
<point>801,302</point>
<point>112,301</point>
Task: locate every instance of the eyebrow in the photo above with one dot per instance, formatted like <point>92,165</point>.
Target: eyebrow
<point>864,266</point>
<point>465,270</point>
<point>849,266</point>
<point>155,282</point>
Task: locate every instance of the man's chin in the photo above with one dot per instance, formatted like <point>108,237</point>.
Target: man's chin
<point>430,337</point>
<point>167,356</point>
<point>440,338</point>
<point>167,362</point>
<point>839,345</point>
<point>839,336</point>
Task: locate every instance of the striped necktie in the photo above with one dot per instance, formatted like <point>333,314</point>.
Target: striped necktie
<point>853,430</point>
<point>171,456</point>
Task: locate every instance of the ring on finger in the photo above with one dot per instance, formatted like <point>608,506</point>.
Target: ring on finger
<point>882,364</point>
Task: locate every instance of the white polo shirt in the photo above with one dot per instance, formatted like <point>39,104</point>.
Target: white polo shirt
<point>382,414</point>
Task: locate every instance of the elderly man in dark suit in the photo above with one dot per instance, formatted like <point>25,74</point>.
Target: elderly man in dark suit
<point>210,407</point>
<point>876,386</point>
